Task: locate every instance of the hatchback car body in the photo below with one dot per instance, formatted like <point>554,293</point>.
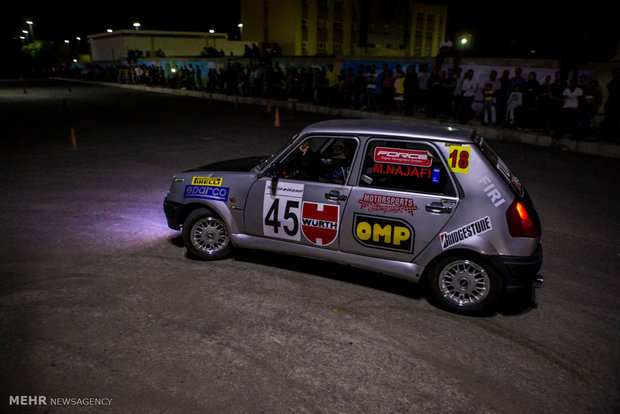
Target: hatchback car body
<point>414,201</point>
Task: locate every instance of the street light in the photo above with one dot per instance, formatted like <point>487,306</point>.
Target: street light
<point>30,28</point>
<point>240,26</point>
<point>136,25</point>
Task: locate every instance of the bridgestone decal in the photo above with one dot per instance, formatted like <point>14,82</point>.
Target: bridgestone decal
<point>463,233</point>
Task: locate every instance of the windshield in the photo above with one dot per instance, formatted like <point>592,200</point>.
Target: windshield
<point>268,160</point>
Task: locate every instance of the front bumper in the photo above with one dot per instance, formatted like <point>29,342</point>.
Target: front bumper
<point>519,272</point>
<point>173,213</point>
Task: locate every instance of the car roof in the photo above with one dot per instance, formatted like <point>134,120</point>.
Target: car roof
<point>405,129</point>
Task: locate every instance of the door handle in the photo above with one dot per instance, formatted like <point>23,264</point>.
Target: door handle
<point>335,196</point>
<point>437,207</point>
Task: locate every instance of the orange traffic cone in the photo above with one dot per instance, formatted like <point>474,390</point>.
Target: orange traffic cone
<point>269,105</point>
<point>293,111</point>
<point>210,99</point>
<point>74,143</point>
<point>276,122</point>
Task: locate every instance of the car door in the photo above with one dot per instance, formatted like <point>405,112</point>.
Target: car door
<point>303,203</point>
<point>402,198</point>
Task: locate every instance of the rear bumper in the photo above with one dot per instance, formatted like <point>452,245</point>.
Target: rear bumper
<point>519,272</point>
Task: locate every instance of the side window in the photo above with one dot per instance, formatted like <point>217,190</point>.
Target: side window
<point>408,166</point>
<point>321,159</point>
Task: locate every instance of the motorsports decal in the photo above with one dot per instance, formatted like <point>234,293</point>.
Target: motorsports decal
<point>320,222</point>
<point>463,233</point>
<point>383,233</point>
<point>417,158</point>
<point>387,204</point>
<point>207,192</point>
<point>215,181</point>
<point>281,211</point>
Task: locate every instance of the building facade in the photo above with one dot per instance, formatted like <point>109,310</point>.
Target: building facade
<point>345,27</point>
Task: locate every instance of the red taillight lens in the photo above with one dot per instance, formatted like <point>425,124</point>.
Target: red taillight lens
<point>519,222</point>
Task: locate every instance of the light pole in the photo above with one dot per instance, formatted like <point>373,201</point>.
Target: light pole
<point>31,29</point>
<point>240,26</point>
<point>136,25</point>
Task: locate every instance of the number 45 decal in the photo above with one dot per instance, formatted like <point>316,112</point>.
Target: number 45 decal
<point>290,217</point>
<point>282,211</point>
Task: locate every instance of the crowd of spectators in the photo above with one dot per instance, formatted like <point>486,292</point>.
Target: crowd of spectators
<point>559,107</point>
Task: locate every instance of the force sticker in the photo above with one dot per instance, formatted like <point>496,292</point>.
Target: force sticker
<point>206,192</point>
<point>418,158</point>
<point>281,211</point>
<point>383,233</point>
<point>472,229</point>
<point>320,222</point>
<point>215,181</point>
<point>459,159</point>
<point>387,204</point>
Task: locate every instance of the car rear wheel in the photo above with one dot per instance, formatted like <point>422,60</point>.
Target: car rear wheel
<point>465,285</point>
<point>206,236</point>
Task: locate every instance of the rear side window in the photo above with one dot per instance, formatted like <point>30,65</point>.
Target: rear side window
<point>406,166</point>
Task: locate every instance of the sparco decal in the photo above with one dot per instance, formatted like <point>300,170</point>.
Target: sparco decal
<point>387,204</point>
<point>207,192</point>
<point>319,222</point>
<point>472,229</point>
<point>417,158</point>
<point>383,233</point>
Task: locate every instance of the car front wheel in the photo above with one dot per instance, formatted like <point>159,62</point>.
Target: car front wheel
<point>464,285</point>
<point>206,236</point>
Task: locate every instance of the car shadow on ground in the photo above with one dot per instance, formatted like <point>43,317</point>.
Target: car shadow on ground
<point>509,306</point>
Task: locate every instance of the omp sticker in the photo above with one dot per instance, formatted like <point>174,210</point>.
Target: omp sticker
<point>383,233</point>
<point>319,222</point>
<point>418,158</point>
<point>387,204</point>
<point>206,192</point>
<point>458,158</point>
<point>475,228</point>
<point>281,210</point>
<point>215,181</point>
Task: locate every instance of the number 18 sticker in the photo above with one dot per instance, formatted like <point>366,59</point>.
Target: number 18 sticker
<point>459,159</point>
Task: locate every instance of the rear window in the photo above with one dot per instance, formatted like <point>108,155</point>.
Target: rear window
<point>499,165</point>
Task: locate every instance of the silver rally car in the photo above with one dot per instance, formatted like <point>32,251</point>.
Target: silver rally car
<point>424,203</point>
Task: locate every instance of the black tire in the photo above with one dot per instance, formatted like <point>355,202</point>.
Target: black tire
<point>206,236</point>
<point>464,285</point>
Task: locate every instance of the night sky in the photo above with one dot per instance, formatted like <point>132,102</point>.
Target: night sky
<point>498,28</point>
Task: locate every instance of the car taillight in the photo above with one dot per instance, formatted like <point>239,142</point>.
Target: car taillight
<point>519,222</point>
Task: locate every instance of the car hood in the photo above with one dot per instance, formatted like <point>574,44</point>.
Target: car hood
<point>238,164</point>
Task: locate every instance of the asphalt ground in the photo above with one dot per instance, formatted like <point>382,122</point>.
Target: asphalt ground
<point>99,303</point>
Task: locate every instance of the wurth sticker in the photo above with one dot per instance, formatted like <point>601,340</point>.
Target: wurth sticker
<point>320,222</point>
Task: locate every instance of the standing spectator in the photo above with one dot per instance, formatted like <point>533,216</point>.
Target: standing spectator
<point>529,117</point>
<point>456,96</point>
<point>501,95</point>
<point>387,89</point>
<point>332,85</point>
<point>399,90</point>
<point>360,88</point>
<point>433,93</point>
<point>609,126</point>
<point>573,97</point>
<point>488,105</point>
<point>469,88</point>
<point>515,100</point>
<point>411,89</point>
<point>517,80</point>
<point>592,99</point>
<point>371,88</point>
<point>423,77</point>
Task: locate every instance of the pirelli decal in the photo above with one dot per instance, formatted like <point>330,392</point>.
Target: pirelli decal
<point>214,181</point>
<point>449,239</point>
